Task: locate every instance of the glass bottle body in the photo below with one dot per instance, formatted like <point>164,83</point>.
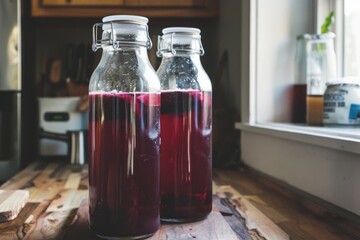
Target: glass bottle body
<point>298,90</point>
<point>321,69</point>
<point>186,152</point>
<point>124,139</point>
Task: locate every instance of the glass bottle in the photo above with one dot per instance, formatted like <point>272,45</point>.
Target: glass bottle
<point>124,132</point>
<point>186,105</point>
<point>298,114</point>
<point>320,69</point>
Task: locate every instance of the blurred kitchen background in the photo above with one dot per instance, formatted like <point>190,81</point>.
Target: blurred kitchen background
<point>52,45</point>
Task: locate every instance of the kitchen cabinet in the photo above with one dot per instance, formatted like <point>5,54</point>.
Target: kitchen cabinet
<point>166,3</point>
<point>97,8</point>
<point>133,3</point>
<point>78,3</point>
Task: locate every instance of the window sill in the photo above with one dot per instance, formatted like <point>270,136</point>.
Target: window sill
<point>339,138</point>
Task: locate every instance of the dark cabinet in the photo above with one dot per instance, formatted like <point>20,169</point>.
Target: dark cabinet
<point>99,8</point>
<point>80,3</point>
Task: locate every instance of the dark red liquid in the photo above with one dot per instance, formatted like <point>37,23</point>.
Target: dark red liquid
<point>298,103</point>
<point>124,163</point>
<point>185,166</point>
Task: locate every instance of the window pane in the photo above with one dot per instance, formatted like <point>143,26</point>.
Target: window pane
<point>352,38</point>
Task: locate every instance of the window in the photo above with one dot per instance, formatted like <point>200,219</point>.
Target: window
<point>266,106</point>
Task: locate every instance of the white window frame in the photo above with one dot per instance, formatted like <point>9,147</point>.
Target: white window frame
<point>338,6</point>
<point>340,139</point>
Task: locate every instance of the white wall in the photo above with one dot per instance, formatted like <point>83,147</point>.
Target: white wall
<point>279,23</point>
<point>329,174</point>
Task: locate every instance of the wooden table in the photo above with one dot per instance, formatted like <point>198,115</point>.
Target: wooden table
<point>58,208</point>
<point>246,206</point>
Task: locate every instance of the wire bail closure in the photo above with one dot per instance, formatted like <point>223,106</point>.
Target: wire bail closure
<point>111,40</point>
<point>171,49</point>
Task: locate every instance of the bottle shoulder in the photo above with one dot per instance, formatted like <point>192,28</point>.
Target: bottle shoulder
<point>181,72</point>
<point>124,75</point>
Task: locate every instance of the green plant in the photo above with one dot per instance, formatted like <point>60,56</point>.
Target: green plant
<point>329,21</point>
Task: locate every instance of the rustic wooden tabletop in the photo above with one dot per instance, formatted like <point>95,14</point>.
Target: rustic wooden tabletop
<point>273,210</point>
<point>246,206</point>
<point>58,208</point>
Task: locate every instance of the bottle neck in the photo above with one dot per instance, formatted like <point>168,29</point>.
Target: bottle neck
<point>126,49</point>
<point>119,35</point>
<point>181,54</point>
<point>180,44</point>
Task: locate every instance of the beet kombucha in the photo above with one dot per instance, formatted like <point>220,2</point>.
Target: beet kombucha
<point>124,163</point>
<point>186,181</point>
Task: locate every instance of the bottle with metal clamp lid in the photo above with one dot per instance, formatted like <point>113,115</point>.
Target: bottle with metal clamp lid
<point>186,125</point>
<point>124,132</point>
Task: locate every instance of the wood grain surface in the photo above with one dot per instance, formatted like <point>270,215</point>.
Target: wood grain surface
<point>296,214</point>
<point>58,208</point>
<point>214,227</point>
<point>246,206</point>
<point>11,202</point>
<point>256,221</point>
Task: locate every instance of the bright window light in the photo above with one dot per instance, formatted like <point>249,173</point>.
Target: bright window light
<point>352,37</point>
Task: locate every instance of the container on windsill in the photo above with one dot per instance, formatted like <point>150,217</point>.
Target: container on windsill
<point>342,103</point>
<point>298,89</point>
<point>320,69</point>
